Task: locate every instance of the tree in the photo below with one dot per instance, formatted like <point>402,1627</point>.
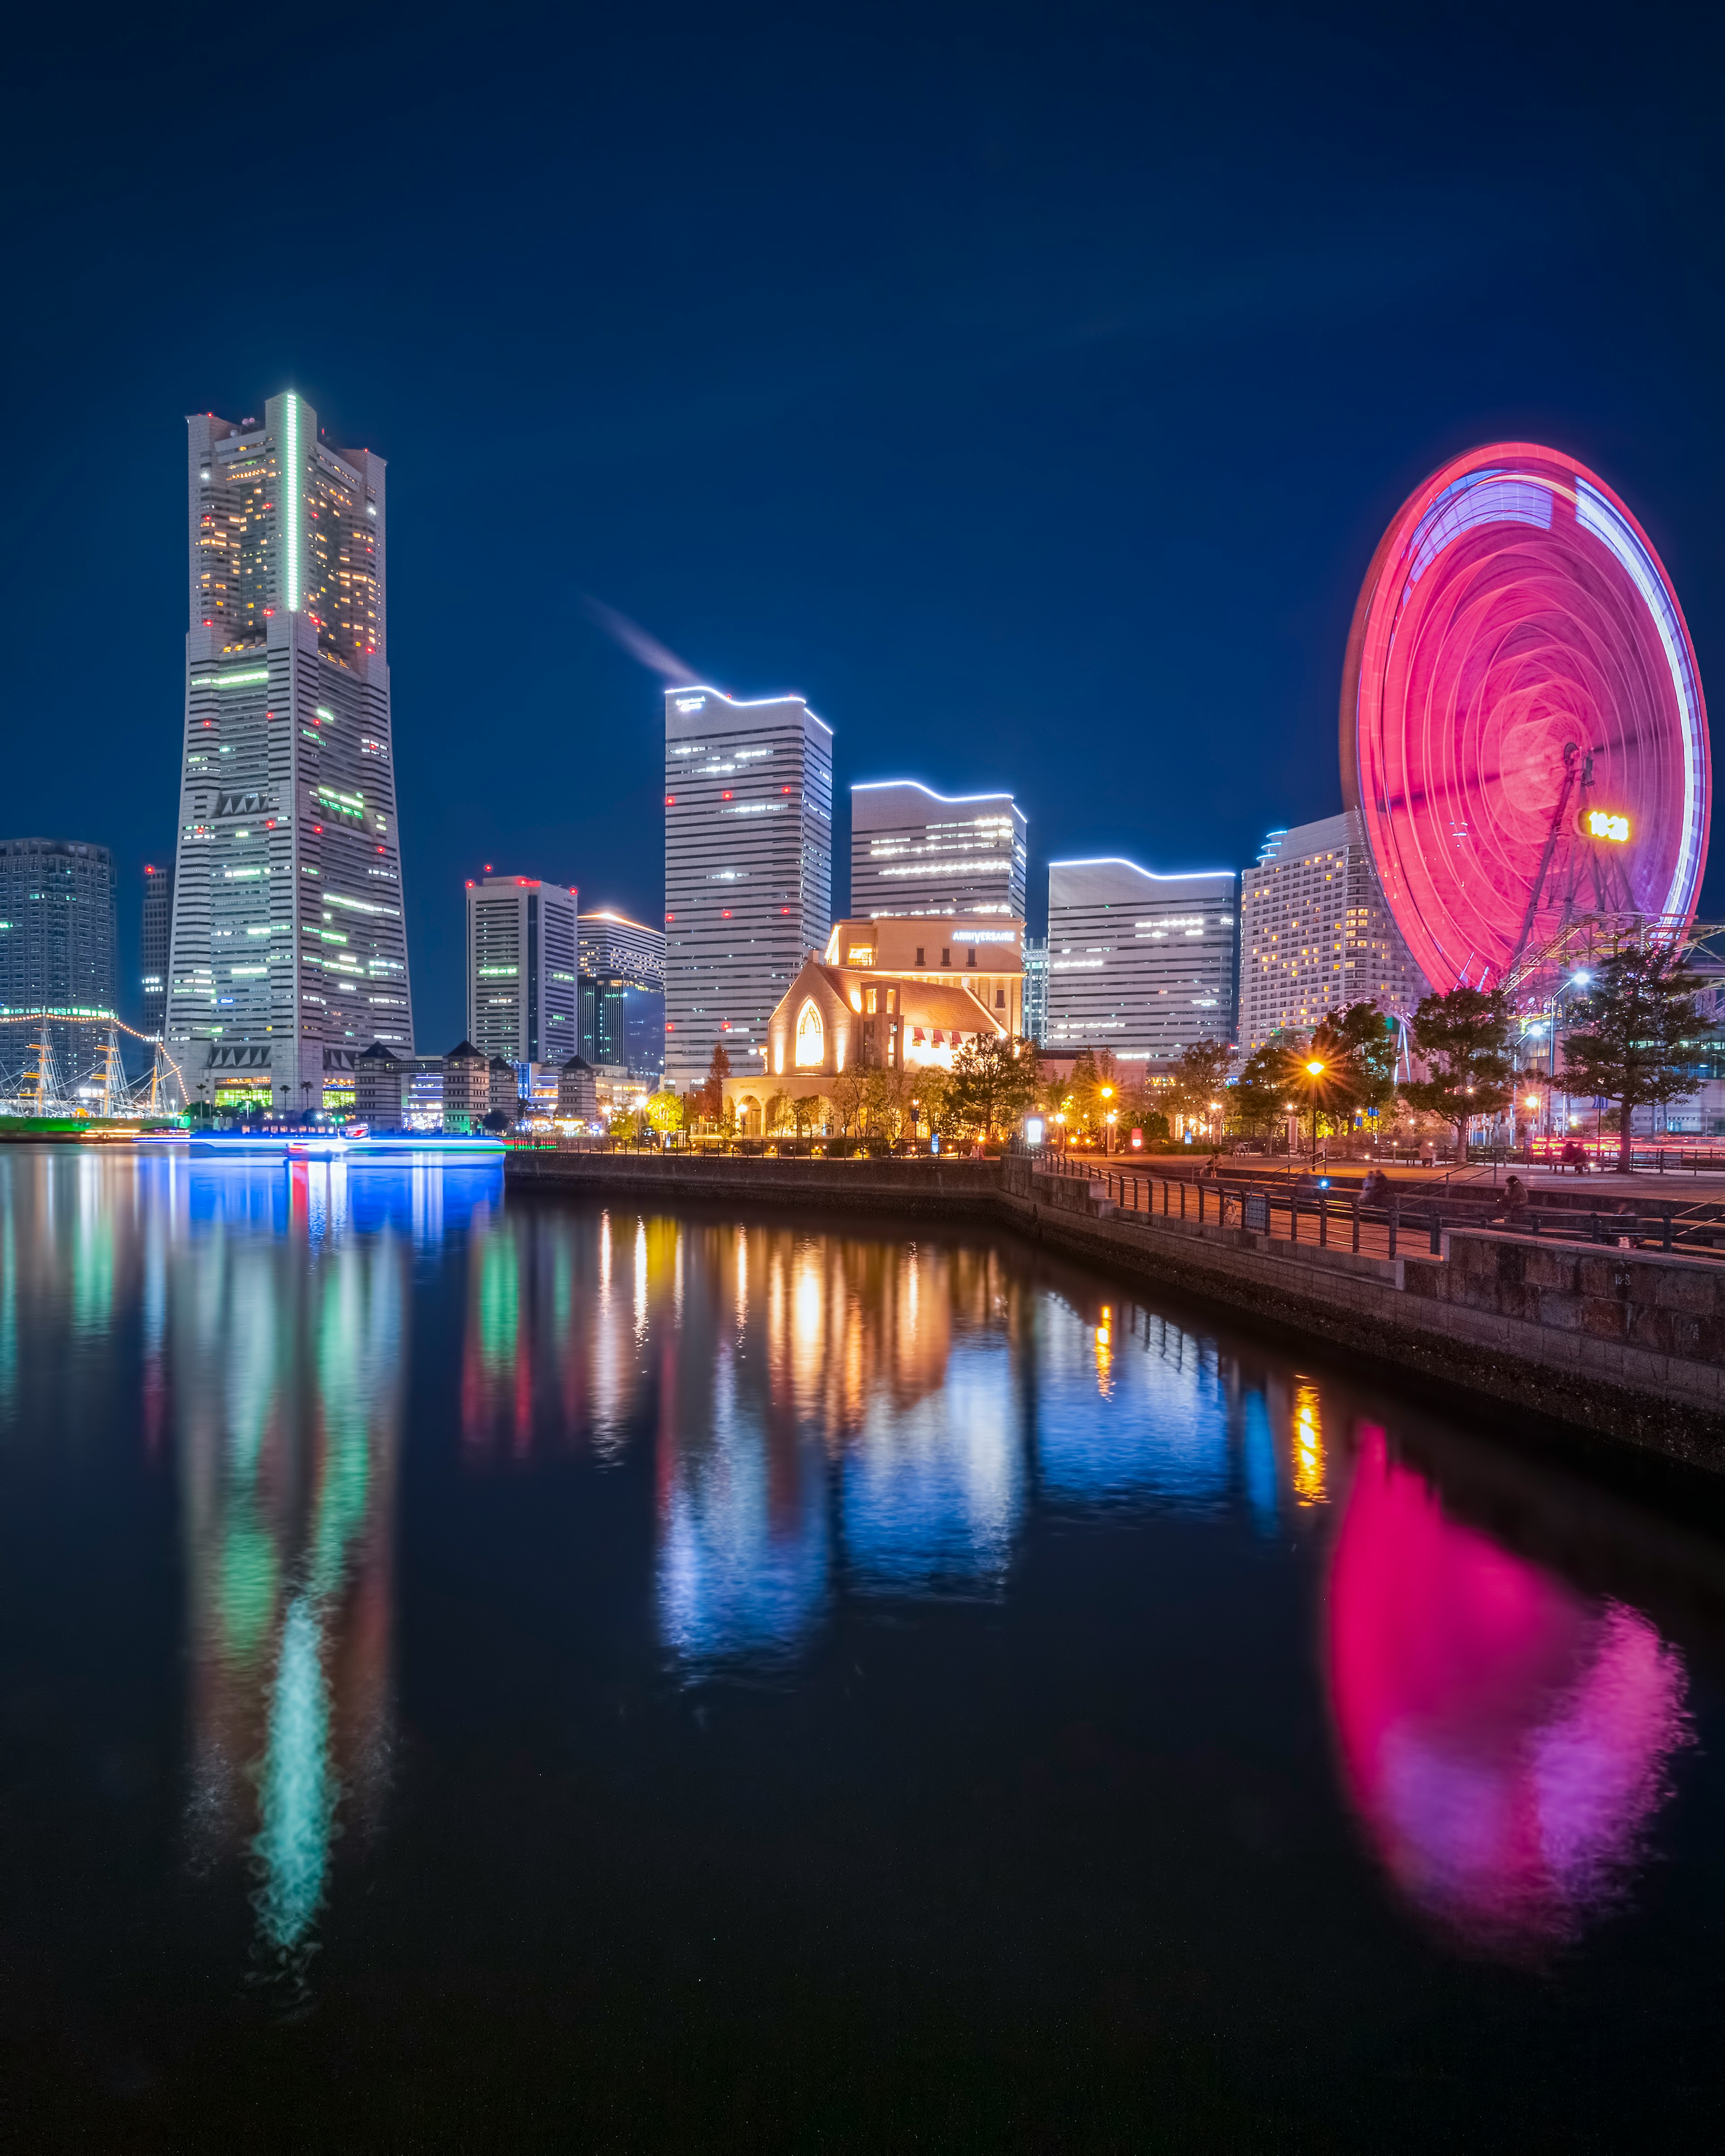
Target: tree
<point>1463,1038</point>
<point>665,1112</point>
<point>1260,1093</point>
<point>995,1079</point>
<point>805,1113</point>
<point>1640,1033</point>
<point>1366,1039</point>
<point>1198,1078</point>
<point>710,1095</point>
<point>847,1097</point>
<point>932,1101</point>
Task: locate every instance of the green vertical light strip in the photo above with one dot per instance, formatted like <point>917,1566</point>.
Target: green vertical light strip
<point>292,504</point>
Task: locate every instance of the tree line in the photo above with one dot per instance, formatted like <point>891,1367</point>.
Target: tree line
<point>1632,1039</point>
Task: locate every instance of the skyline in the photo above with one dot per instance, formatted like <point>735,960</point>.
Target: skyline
<point>1042,431</point>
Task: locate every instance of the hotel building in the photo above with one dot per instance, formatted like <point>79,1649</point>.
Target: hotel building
<point>523,996</point>
<point>153,943</point>
<point>1315,934</point>
<point>288,953</point>
<point>914,851</point>
<point>1141,963</point>
<point>622,995</point>
<point>748,869</point>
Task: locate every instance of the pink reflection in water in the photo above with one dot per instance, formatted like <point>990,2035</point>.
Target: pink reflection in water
<point>1504,1740</point>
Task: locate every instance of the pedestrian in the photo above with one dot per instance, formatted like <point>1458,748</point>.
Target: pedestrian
<point>1516,1203</point>
<point>1375,1189</point>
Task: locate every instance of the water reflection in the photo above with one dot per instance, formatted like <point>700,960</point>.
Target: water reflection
<point>804,1419</point>
<point>1505,1741</point>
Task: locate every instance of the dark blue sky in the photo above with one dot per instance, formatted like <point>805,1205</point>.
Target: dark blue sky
<point>1028,388</point>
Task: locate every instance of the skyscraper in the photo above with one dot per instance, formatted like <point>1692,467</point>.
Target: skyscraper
<point>57,947</point>
<point>1141,963</point>
<point>288,953</point>
<point>153,943</point>
<point>1315,934</point>
<point>748,868</point>
<point>622,995</point>
<point>522,994</point>
<point>915,851</point>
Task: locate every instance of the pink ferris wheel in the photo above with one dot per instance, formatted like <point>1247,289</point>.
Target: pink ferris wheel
<point>1522,726</point>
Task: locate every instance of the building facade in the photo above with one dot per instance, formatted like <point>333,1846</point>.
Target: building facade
<point>1317,935</point>
<point>914,851</point>
<point>153,935</point>
<point>834,1020</point>
<point>523,990</point>
<point>622,995</point>
<point>1036,989</point>
<point>57,951</point>
<point>748,869</point>
<point>985,956</point>
<point>288,942</point>
<point>1142,963</point>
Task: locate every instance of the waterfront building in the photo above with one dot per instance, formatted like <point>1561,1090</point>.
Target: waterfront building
<point>833,1019</point>
<point>288,940</point>
<point>503,1092</point>
<point>985,955</point>
<point>914,851</point>
<point>578,1091</point>
<point>1316,933</point>
<point>748,868</point>
<point>622,995</point>
<point>1141,963</point>
<point>1036,989</point>
<point>421,1092</point>
<point>523,994</point>
<point>377,1085</point>
<point>466,1087</point>
<point>153,943</point>
<point>57,951</point>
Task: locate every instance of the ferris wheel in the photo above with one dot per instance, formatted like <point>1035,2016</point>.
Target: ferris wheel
<point>1523,731</point>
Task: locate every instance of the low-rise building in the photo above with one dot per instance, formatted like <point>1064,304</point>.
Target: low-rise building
<point>378,1076</point>
<point>503,1089</point>
<point>838,1019</point>
<point>466,1087</point>
<point>985,955</point>
<point>577,1092</point>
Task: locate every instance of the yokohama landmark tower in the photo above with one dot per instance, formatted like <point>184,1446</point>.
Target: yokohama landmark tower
<point>288,953</point>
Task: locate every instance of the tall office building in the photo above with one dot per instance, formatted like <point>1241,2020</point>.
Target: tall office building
<point>523,996</point>
<point>153,943</point>
<point>56,948</point>
<point>1141,963</point>
<point>622,995</point>
<point>289,953</point>
<point>915,851</point>
<point>1315,934</point>
<point>748,869</point>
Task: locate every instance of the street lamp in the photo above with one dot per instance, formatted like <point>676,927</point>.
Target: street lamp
<point>1314,1071</point>
<point>1107,1094</point>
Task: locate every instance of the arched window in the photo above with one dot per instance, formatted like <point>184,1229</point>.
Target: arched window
<point>811,1037</point>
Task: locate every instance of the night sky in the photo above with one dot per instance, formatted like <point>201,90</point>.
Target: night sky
<point>1027,388</point>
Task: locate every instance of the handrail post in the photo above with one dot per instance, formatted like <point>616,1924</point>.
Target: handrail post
<point>1395,1218</point>
<point>1356,1227</point>
<point>1323,1221</point>
<point>1437,1234</point>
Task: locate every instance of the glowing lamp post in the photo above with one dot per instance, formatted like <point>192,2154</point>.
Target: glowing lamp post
<point>1314,1071</point>
<point>1107,1118</point>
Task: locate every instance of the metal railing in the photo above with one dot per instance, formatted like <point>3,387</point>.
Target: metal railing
<point>1403,1223</point>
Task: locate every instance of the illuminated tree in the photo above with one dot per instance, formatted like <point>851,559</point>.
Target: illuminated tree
<point>994,1079</point>
<point>848,1097</point>
<point>665,1112</point>
<point>1463,1038</point>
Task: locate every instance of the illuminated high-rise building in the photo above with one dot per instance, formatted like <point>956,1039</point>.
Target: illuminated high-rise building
<point>1142,963</point>
<point>622,995</point>
<point>288,953</point>
<point>57,946</point>
<point>748,869</point>
<point>153,942</point>
<point>1315,934</point>
<point>918,852</point>
<point>523,995</point>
